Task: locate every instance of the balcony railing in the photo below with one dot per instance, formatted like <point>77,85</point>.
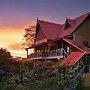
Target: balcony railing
<point>47,53</point>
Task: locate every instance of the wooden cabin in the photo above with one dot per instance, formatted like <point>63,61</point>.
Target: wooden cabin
<point>66,43</point>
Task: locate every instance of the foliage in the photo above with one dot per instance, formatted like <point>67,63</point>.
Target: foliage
<point>40,77</point>
<point>24,70</point>
<point>5,59</point>
<point>29,64</point>
<point>48,80</point>
<point>87,62</point>
<point>84,88</point>
<point>7,63</point>
<point>29,36</point>
<point>5,54</point>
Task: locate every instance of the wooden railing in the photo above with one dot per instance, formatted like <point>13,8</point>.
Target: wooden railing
<point>48,53</point>
<point>75,81</point>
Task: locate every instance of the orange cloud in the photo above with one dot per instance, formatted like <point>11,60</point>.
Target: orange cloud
<point>15,46</point>
<point>21,53</point>
<point>12,41</point>
<point>12,29</point>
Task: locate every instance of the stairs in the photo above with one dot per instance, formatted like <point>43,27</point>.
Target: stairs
<point>78,78</point>
<point>74,76</point>
<point>72,59</point>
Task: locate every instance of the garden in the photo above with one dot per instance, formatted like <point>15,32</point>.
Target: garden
<point>22,76</point>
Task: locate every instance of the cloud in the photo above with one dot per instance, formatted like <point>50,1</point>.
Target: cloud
<point>20,53</point>
<point>15,46</point>
<point>16,49</point>
<point>11,38</point>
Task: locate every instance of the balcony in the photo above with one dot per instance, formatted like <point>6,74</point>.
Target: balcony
<point>59,53</point>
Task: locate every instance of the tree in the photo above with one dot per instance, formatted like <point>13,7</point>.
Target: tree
<point>7,63</point>
<point>29,36</point>
<point>5,58</point>
<point>5,54</point>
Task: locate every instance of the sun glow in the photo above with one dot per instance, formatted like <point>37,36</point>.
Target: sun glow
<point>12,41</point>
<point>21,53</point>
<point>12,31</point>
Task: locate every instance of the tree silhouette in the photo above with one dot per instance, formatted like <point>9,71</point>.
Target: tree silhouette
<point>29,36</point>
<point>5,59</point>
<point>5,54</point>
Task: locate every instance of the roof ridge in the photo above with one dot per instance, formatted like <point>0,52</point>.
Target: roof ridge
<point>49,22</point>
<point>82,15</point>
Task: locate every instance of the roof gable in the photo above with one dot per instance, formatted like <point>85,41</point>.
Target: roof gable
<point>50,29</point>
<point>76,23</point>
<point>68,23</point>
<point>40,35</point>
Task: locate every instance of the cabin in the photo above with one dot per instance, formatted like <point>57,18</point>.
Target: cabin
<point>68,43</point>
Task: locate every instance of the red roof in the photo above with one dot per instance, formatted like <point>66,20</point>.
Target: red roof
<point>70,21</point>
<point>72,59</point>
<point>79,21</point>
<point>68,24</point>
<point>75,23</point>
<point>40,35</point>
<point>53,31</point>
<point>77,45</point>
<point>50,29</point>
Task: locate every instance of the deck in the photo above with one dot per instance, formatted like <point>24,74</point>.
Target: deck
<point>59,53</point>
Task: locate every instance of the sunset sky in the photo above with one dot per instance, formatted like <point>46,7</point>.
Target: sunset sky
<point>16,15</point>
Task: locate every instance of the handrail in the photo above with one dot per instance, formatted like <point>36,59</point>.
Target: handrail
<point>48,53</point>
<point>79,73</point>
<point>74,82</point>
<point>66,54</point>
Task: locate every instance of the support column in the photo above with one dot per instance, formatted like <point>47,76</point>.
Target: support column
<point>26,51</point>
<point>49,46</point>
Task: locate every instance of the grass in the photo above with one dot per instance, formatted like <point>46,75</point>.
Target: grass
<point>84,88</point>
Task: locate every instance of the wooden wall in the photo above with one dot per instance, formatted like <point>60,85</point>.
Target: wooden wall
<point>83,32</point>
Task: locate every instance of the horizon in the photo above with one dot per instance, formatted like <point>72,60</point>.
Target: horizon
<point>16,15</point>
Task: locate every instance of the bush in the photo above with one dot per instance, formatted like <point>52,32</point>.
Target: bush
<point>41,77</point>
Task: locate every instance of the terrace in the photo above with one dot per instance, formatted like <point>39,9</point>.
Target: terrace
<point>48,54</point>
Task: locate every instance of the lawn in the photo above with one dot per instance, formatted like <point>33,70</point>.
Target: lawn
<point>84,88</point>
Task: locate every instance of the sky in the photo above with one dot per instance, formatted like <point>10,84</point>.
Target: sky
<point>16,15</point>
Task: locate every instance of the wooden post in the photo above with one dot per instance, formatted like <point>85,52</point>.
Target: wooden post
<point>26,51</point>
<point>49,46</point>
